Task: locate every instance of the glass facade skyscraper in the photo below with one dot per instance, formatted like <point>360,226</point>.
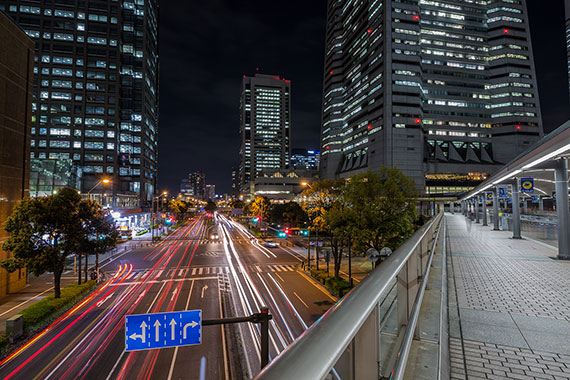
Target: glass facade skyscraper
<point>445,90</point>
<point>265,127</point>
<point>96,91</point>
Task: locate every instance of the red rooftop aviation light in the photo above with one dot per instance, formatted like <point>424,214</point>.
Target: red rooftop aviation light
<point>327,147</point>
<point>331,73</point>
<point>418,121</point>
<point>369,31</point>
<point>416,17</point>
<point>506,31</point>
<point>369,127</point>
<point>518,127</point>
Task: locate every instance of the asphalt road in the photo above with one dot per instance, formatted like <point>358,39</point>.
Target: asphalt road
<point>229,277</point>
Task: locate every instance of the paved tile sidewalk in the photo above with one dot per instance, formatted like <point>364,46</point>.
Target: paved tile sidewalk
<point>509,305</point>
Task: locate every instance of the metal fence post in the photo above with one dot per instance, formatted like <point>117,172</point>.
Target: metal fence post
<point>264,336</point>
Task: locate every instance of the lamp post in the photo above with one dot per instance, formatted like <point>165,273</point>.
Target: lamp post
<point>104,180</point>
<point>152,214</point>
<point>308,185</point>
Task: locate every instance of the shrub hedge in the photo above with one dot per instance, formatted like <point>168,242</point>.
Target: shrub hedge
<point>337,286</point>
<point>49,308</point>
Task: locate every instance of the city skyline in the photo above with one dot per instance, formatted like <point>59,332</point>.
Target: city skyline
<point>547,34</point>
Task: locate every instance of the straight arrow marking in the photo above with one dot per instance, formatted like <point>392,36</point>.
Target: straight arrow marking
<point>157,325</point>
<point>172,328</point>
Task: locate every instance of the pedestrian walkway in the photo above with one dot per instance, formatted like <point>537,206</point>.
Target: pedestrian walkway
<point>509,305</point>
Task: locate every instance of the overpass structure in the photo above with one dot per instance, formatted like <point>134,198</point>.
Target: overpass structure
<point>460,299</point>
<point>546,163</point>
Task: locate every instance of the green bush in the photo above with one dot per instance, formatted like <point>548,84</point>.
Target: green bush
<point>4,343</point>
<point>339,287</point>
<point>47,309</point>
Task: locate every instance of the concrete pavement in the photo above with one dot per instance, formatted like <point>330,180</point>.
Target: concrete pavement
<point>509,305</point>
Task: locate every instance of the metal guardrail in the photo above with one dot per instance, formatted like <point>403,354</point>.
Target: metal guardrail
<point>352,341</point>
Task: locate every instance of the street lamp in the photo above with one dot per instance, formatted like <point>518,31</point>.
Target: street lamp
<point>152,213</point>
<point>104,181</point>
<point>308,185</point>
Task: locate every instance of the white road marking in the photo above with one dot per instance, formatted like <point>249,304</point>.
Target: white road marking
<point>299,298</point>
<point>176,349</point>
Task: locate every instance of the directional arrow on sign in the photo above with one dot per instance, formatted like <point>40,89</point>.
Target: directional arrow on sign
<point>157,325</point>
<point>141,336</point>
<point>172,328</point>
<point>192,324</point>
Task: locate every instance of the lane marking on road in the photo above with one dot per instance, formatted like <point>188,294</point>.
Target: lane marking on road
<point>281,278</point>
<point>171,280</point>
<point>200,270</point>
<point>295,312</point>
<point>180,273</point>
<point>173,361</point>
<point>299,298</point>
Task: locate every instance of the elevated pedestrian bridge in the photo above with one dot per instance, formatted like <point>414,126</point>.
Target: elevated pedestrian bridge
<point>457,301</point>
<point>465,297</point>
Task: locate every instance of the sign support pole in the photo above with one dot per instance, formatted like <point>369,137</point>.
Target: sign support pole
<point>263,318</point>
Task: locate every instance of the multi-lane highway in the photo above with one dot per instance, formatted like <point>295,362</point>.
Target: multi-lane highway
<point>233,275</point>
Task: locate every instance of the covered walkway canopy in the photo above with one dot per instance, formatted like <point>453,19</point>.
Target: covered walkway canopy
<point>546,162</point>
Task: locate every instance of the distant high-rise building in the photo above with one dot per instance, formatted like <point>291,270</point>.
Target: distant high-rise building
<point>16,84</point>
<point>235,182</point>
<point>186,188</point>
<point>265,127</point>
<point>567,39</point>
<point>95,101</point>
<point>305,159</point>
<point>210,192</point>
<point>445,90</point>
<point>197,185</point>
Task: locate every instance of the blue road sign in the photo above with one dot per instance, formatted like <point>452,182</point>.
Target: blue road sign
<point>527,185</point>
<point>534,198</point>
<point>554,195</point>
<point>161,330</point>
<point>490,196</point>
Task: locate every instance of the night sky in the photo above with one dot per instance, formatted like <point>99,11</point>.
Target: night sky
<point>207,46</point>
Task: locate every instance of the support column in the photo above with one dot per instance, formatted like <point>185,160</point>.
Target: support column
<point>525,206</point>
<point>496,209</point>
<point>477,214</point>
<point>485,209</point>
<point>540,203</point>
<point>452,207</point>
<point>562,212</point>
<point>516,210</point>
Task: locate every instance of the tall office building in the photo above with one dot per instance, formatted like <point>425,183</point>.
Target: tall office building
<point>95,99</point>
<point>305,159</point>
<point>265,127</point>
<point>210,193</point>
<point>197,185</point>
<point>567,18</point>
<point>445,90</point>
<point>16,83</point>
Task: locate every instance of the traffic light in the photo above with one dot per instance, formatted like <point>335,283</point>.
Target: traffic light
<point>281,234</point>
<point>255,219</point>
<point>305,232</point>
<point>286,231</point>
